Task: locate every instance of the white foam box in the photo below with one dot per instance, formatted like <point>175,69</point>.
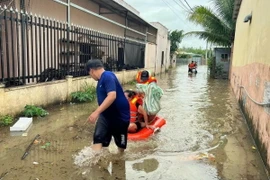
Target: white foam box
<point>22,124</point>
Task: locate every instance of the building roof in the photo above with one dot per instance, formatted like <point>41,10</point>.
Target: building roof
<point>237,5</point>
<point>158,23</point>
<point>122,8</point>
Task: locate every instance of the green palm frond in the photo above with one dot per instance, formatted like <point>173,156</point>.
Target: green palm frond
<point>224,9</point>
<point>217,23</point>
<point>217,39</point>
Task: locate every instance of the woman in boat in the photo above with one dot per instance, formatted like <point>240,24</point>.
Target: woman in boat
<point>144,77</point>
<point>138,116</point>
<point>151,93</point>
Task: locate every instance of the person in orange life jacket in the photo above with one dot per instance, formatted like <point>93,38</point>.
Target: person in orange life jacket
<point>144,77</point>
<point>137,113</point>
<point>191,66</point>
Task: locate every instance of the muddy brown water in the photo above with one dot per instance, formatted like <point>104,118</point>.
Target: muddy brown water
<point>205,138</point>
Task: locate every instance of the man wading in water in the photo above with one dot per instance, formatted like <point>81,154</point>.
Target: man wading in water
<point>113,115</point>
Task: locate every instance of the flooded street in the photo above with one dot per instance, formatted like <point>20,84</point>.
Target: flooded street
<point>205,138</point>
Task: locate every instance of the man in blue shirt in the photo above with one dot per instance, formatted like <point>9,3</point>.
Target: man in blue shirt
<point>113,115</point>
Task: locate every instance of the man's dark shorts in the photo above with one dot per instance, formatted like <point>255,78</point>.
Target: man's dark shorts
<point>106,128</point>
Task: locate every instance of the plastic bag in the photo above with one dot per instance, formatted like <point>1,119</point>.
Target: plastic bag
<point>153,94</point>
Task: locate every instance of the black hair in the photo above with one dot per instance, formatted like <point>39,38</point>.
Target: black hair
<point>93,64</point>
<point>130,93</point>
<point>144,75</point>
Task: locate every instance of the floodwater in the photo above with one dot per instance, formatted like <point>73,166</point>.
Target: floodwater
<point>205,138</point>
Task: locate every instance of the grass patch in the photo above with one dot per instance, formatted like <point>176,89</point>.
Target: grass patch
<point>133,82</point>
<point>86,94</point>
<point>31,111</point>
<point>6,120</point>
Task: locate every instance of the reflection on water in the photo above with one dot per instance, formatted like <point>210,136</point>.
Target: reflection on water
<point>105,168</point>
<point>147,165</point>
<point>205,138</point>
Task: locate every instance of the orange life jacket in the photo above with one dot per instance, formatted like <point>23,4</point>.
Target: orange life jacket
<point>150,79</point>
<point>138,77</point>
<point>134,109</point>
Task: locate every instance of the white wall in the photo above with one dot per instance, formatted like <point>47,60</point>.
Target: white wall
<point>163,45</point>
<point>150,55</point>
<point>44,94</point>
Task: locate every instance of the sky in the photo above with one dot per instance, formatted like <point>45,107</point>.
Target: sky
<point>171,14</point>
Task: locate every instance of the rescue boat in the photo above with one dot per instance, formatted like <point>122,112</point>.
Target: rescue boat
<point>145,133</point>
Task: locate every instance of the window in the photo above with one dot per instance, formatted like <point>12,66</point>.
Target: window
<point>224,57</point>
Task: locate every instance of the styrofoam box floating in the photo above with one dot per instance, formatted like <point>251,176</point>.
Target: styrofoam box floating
<point>22,124</point>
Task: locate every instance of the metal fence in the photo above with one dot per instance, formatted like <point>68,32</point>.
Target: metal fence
<point>35,49</point>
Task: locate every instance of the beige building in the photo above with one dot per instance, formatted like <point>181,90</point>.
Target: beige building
<point>43,51</point>
<point>57,37</point>
<point>250,69</point>
<point>163,48</point>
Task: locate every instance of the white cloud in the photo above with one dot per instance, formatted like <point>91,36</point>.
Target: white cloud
<point>171,14</point>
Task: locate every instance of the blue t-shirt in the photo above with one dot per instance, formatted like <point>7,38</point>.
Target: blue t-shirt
<point>119,109</point>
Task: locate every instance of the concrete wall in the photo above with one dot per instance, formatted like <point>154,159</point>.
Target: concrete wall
<point>152,35</point>
<point>251,69</point>
<point>189,60</point>
<point>163,47</point>
<point>150,55</point>
<point>13,100</point>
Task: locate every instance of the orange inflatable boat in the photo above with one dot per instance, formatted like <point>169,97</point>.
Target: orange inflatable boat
<point>144,133</point>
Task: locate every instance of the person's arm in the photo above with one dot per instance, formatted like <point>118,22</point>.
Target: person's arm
<point>110,88</point>
<point>111,96</point>
<point>143,112</point>
<point>145,116</point>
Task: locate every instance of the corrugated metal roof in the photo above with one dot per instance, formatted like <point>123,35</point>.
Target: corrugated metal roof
<point>237,5</point>
<point>120,8</point>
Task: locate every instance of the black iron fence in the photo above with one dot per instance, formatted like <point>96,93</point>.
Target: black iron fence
<point>35,49</point>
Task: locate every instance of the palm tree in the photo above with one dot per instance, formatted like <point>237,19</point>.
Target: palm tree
<point>218,23</point>
<point>176,37</point>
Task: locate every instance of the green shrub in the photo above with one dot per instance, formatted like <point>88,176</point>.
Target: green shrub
<point>133,82</point>
<point>6,120</point>
<point>86,94</point>
<point>210,62</point>
<point>31,111</point>
<point>219,69</point>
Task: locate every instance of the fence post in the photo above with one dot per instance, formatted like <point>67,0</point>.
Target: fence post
<point>69,87</point>
<point>23,26</point>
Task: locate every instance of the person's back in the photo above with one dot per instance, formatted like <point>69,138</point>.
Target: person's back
<point>191,65</point>
<point>108,81</point>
